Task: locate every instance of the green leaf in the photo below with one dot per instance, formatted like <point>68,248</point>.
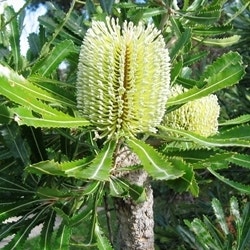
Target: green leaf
<point>100,167</point>
<point>56,89</point>
<point>205,141</point>
<point>239,120</point>
<point>24,116</point>
<point>47,230</point>
<point>211,30</point>
<point>46,167</point>
<point>24,93</point>
<point>97,169</point>
<point>61,51</point>
<point>5,116</point>
<point>15,143</point>
<point>14,37</point>
<point>237,132</point>
<point>14,209</point>
<point>62,240</point>
<point>204,17</point>
<point>240,160</point>
<point>235,211</point>
<point>238,186</point>
<point>224,72</point>
<point>185,182</point>
<point>203,235</point>
<point>220,42</point>
<point>182,41</point>
<point>218,211</point>
<point>176,70</point>
<point>107,6</point>
<point>35,45</point>
<point>218,160</point>
<point>102,241</point>
<point>121,188</point>
<point>22,234</point>
<point>153,162</point>
<point>20,91</point>
<point>193,58</point>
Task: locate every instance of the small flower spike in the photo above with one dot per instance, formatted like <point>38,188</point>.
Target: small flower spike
<point>199,116</point>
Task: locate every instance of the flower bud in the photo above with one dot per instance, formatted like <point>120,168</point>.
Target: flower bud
<point>123,78</point>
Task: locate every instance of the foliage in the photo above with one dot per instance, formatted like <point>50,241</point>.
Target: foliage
<point>51,163</point>
<point>230,231</point>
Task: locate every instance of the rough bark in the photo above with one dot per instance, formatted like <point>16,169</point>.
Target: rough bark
<point>136,222</point>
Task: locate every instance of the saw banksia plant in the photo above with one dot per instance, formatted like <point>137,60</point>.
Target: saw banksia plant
<point>199,116</point>
<point>123,78</point>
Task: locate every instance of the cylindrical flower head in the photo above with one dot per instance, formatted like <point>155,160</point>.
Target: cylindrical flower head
<point>199,116</point>
<point>123,78</point>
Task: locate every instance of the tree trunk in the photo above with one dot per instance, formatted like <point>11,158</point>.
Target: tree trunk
<point>136,222</point>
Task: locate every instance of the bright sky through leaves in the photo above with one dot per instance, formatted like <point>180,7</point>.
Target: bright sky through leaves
<point>30,21</point>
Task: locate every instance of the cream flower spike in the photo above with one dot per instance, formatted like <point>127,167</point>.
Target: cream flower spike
<point>123,78</point>
<point>199,116</point>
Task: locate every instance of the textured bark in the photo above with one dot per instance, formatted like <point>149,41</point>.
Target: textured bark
<point>136,222</point>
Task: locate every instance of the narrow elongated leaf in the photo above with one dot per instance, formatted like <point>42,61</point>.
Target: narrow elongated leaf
<point>34,44</point>
<point>22,235</point>
<point>24,116</point>
<point>107,5</point>
<point>62,239</point>
<point>180,43</point>
<point>56,90</point>
<point>239,120</point>
<point>24,93</point>
<point>206,17</point>
<point>100,167</point>
<point>150,12</point>
<point>14,36</point>
<point>14,209</point>
<point>47,230</point>
<point>121,188</point>
<point>237,132</point>
<point>211,30</point>
<point>102,241</point>
<point>193,58</point>
<point>56,56</point>
<point>221,42</point>
<point>239,186</point>
<point>46,167</point>
<point>5,116</point>
<point>203,235</point>
<point>14,87</point>
<point>20,86</point>
<point>205,141</point>
<point>176,70</point>
<point>235,211</point>
<point>185,182</point>
<point>240,160</point>
<point>220,216</point>
<point>224,72</point>
<point>153,162</point>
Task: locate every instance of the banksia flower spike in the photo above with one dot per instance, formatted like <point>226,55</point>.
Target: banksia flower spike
<point>123,78</point>
<point>199,116</point>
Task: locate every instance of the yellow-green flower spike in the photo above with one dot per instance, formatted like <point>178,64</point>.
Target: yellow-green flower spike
<point>199,116</point>
<point>123,78</point>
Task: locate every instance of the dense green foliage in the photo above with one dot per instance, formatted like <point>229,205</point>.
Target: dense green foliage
<point>51,163</point>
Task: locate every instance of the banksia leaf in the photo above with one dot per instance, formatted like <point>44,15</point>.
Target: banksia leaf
<point>123,78</point>
<point>199,116</point>
<point>153,162</point>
